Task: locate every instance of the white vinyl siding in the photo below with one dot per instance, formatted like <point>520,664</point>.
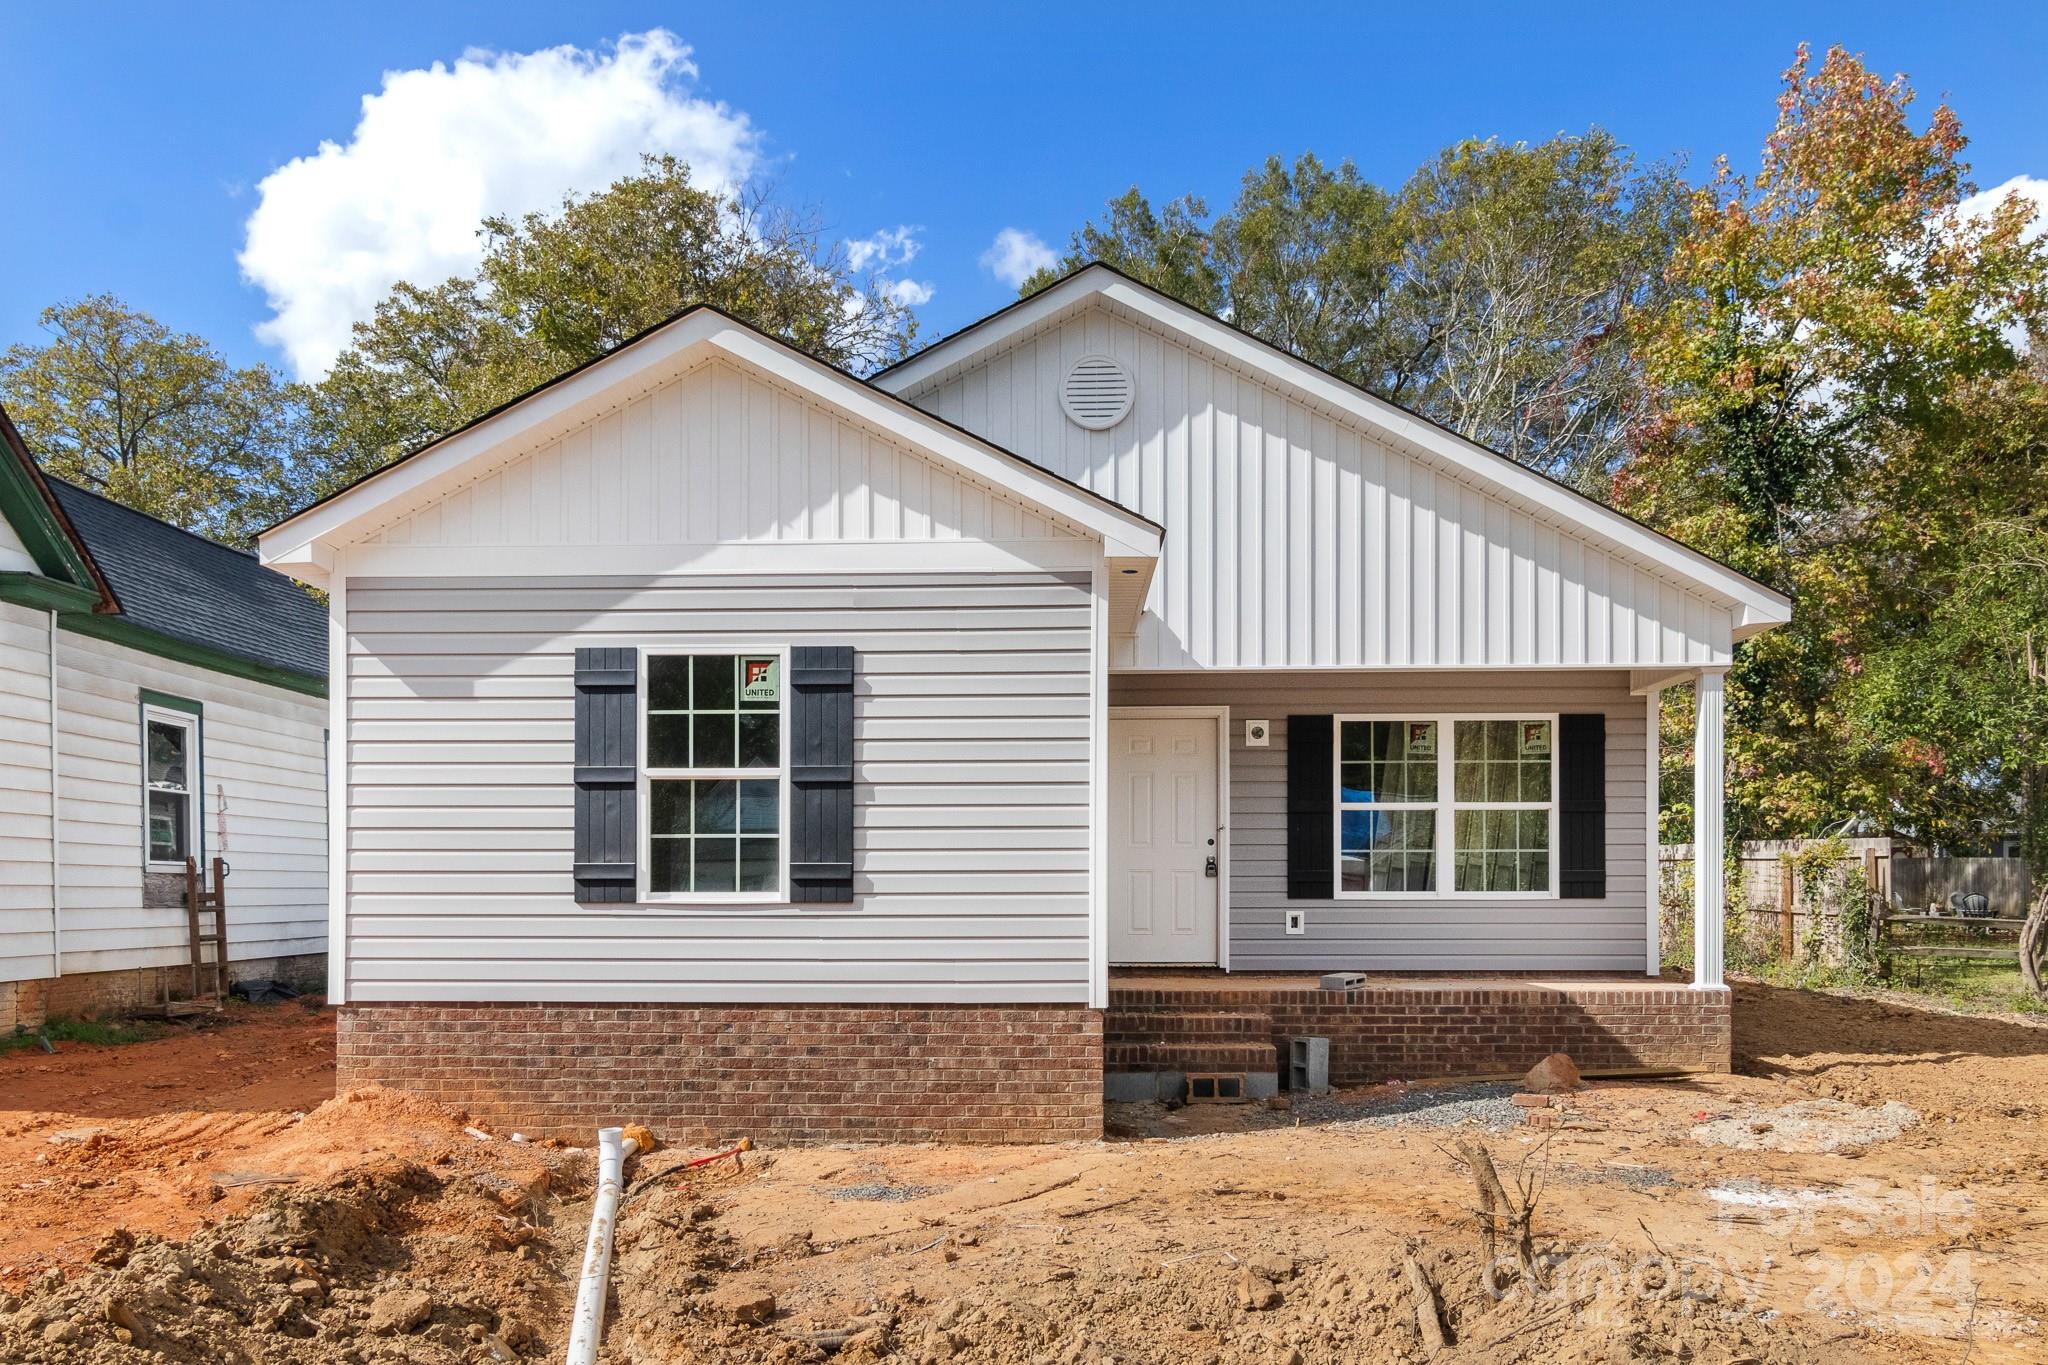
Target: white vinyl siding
<point>1429,931</point>
<point>263,775</point>
<point>971,828</point>
<point>717,456</point>
<point>25,927</point>
<point>14,555</point>
<point>1297,539</point>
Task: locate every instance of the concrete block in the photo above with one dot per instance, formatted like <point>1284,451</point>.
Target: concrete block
<point>1308,1064</point>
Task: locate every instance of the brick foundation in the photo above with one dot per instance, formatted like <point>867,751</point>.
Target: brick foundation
<point>1013,1073</point>
<point>26,1004</point>
<point>1415,1030</point>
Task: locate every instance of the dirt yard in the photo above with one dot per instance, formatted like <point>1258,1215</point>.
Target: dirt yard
<point>1870,1187</point>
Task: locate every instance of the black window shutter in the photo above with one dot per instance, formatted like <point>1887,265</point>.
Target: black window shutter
<point>821,774</point>
<point>1311,812</point>
<point>1582,806</point>
<point>607,760</point>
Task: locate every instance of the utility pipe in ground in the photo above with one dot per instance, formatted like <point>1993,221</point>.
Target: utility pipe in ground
<point>613,1147</point>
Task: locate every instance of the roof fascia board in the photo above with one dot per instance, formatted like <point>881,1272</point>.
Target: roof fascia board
<point>1758,607</point>
<point>305,541</point>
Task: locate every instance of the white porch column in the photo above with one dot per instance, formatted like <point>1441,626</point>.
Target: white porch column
<point>1653,848</point>
<point>1709,895</point>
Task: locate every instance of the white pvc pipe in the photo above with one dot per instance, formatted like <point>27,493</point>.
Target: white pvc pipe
<point>613,1147</point>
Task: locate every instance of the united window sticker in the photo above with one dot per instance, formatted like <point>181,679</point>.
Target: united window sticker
<point>1535,738</point>
<point>761,679</point>
<point>1422,738</point>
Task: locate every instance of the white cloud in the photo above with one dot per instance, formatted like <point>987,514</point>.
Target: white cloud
<point>1016,255</point>
<point>438,150</point>
<point>882,253</point>
<point>2028,187</point>
<point>890,246</point>
<point>909,293</point>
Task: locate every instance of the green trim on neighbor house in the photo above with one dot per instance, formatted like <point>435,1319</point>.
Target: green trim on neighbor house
<point>33,518</point>
<point>170,703</point>
<point>124,632</point>
<point>44,593</point>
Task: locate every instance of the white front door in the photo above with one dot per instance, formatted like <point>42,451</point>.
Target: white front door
<point>1162,834</point>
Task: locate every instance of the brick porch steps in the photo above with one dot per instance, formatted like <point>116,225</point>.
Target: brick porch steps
<point>1181,1056</point>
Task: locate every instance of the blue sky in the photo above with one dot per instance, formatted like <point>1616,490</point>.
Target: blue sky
<point>140,140</point>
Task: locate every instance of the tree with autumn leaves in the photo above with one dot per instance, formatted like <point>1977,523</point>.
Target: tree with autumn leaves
<point>1842,405</point>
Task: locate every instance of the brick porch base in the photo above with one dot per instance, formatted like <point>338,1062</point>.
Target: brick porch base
<point>1015,1073</point>
<point>1414,1029</point>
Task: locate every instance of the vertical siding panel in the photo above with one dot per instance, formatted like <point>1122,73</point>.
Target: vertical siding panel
<point>1419,641</point>
<point>1351,571</point>
<point>1200,526</point>
<point>1230,520</point>
<point>1400,585</point>
<point>1321,552</point>
<point>1374,590</point>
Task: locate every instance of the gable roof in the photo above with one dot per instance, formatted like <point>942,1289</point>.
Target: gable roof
<point>190,589</point>
<point>59,552</point>
<point>573,397</point>
<point>1756,607</point>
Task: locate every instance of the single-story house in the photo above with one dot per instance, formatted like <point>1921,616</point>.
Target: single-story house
<point>739,745</point>
<point>162,698</point>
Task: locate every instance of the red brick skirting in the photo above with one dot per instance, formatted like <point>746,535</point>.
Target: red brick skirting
<point>694,1073</point>
<point>1416,1030</point>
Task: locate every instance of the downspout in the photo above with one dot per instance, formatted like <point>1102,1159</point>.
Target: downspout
<point>56,827</point>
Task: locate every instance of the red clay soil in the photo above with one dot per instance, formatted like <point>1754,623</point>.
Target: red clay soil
<point>151,1136</point>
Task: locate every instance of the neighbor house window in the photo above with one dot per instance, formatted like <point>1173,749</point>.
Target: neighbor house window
<point>169,773</point>
<point>1417,795</point>
<point>714,776</point>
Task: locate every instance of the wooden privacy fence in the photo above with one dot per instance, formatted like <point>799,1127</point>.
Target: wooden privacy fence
<point>1786,911</point>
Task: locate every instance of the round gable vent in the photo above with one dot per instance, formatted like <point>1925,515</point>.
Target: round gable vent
<point>1097,392</point>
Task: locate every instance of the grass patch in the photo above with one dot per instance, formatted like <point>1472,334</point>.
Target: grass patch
<point>1961,984</point>
<point>96,1031</point>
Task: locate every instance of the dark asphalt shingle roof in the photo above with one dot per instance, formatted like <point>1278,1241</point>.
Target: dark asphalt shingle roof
<point>186,586</point>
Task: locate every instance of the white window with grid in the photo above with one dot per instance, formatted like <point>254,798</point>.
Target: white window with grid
<point>714,789</point>
<point>1446,806</point>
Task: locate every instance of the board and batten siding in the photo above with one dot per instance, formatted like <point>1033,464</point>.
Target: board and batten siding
<point>25,923</point>
<point>971,831</point>
<point>1297,539</point>
<point>717,455</point>
<point>262,805</point>
<point>1428,933</point>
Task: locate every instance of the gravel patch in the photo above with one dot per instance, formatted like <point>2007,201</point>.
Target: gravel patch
<point>1483,1104</point>
<point>881,1191</point>
<point>1809,1126</point>
<point>1632,1177</point>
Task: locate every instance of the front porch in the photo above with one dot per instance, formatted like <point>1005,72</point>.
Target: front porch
<point>1163,1025</point>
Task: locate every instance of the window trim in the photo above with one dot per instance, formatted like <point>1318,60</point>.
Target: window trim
<point>166,710</point>
<point>644,776</point>
<point>1446,806</point>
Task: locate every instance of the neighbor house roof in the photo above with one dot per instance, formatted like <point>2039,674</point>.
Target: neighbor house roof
<point>1756,606</point>
<point>187,588</point>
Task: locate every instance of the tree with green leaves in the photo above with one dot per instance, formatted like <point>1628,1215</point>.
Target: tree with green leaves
<point>1493,292</point>
<point>556,290</point>
<point>121,404</point>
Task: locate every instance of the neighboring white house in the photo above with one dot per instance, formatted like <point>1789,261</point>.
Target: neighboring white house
<point>161,697</point>
<point>732,741</point>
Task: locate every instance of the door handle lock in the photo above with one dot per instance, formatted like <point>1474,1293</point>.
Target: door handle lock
<point>1209,867</point>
